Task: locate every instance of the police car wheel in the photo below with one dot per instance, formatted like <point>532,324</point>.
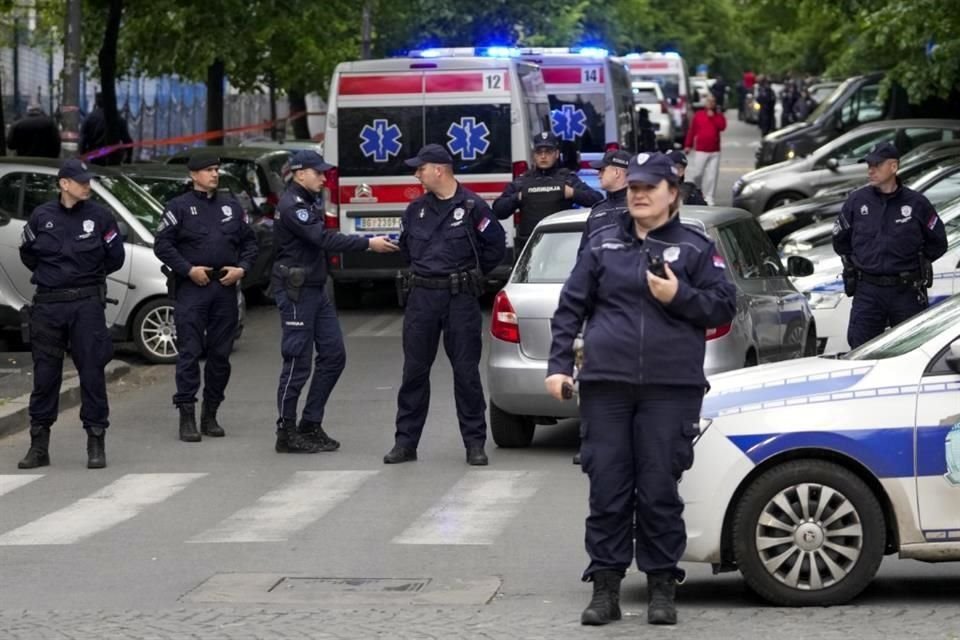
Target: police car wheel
<point>509,430</point>
<point>154,332</point>
<point>808,533</point>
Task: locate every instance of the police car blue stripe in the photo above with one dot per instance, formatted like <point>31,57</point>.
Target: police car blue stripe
<point>932,450</point>
<point>713,405</point>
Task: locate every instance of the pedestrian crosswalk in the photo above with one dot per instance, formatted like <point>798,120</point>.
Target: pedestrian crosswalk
<point>475,510</point>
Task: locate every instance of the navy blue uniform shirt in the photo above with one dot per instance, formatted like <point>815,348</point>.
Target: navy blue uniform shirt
<point>630,336</point>
<point>301,238</point>
<point>885,233</point>
<point>543,191</point>
<point>609,211</point>
<point>204,229</point>
<point>68,248</point>
<point>440,237</point>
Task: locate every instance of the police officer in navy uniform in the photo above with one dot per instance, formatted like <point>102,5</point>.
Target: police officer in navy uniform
<point>647,289</point>
<point>206,242</point>
<point>70,244</point>
<point>543,190</point>
<point>887,235</point>
<point>451,240</point>
<point>613,179</point>
<point>308,317</point>
<point>689,192</point>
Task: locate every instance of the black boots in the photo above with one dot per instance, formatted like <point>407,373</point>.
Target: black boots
<point>188,423</point>
<point>400,454</point>
<point>96,451</point>
<point>289,440</point>
<point>476,457</point>
<point>661,598</point>
<point>604,607</point>
<point>38,454</point>
<point>208,421</point>
<point>314,432</point>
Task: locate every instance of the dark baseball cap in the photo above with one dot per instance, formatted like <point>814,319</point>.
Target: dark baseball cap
<point>614,158</point>
<point>880,152</point>
<point>75,170</point>
<point>202,161</point>
<point>651,168</point>
<point>678,157</point>
<point>546,139</point>
<point>430,153</point>
<point>307,159</point>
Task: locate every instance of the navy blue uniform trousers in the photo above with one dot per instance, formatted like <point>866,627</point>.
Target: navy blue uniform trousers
<point>428,313</point>
<point>306,324</point>
<point>875,308</point>
<point>81,326</point>
<point>206,320</point>
<point>636,442</point>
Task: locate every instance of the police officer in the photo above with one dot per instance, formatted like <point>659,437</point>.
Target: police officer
<point>543,190</point>
<point>206,243</point>
<point>451,240</point>
<point>887,235</point>
<point>613,179</point>
<point>641,383</point>
<point>70,244</point>
<point>689,192</point>
<point>308,317</point>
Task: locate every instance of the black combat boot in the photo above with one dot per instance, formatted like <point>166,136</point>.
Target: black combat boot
<point>38,454</point>
<point>400,454</point>
<point>188,423</point>
<point>476,457</point>
<point>208,421</point>
<point>604,606</point>
<point>313,431</point>
<point>96,449</point>
<point>290,441</point>
<point>661,597</point>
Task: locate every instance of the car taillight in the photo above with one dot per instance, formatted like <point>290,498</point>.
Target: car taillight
<point>331,218</point>
<point>270,206</point>
<point>520,168</point>
<point>585,164</point>
<point>503,324</point>
<point>612,146</point>
<point>663,106</point>
<point>718,332</point>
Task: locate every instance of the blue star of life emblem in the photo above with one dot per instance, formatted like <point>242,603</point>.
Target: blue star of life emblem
<point>380,141</point>
<point>569,123</point>
<point>468,138</point>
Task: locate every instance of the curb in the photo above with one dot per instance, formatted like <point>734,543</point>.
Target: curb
<point>14,415</point>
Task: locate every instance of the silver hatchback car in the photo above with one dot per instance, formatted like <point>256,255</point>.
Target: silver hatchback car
<point>143,313</point>
<point>773,321</point>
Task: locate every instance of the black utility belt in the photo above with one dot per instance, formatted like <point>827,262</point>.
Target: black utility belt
<point>45,294</point>
<point>911,277</point>
<point>452,281</point>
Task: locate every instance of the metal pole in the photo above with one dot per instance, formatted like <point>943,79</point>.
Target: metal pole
<point>365,31</point>
<point>71,86</point>
<point>17,112</point>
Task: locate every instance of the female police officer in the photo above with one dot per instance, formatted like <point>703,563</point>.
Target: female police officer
<point>641,383</point>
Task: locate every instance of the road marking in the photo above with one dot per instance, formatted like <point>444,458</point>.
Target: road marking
<point>475,510</point>
<point>117,502</point>
<point>305,498</point>
<point>9,483</point>
<point>370,328</point>
<point>395,328</point>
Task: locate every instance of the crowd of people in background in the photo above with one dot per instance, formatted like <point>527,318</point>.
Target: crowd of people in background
<point>795,99</point>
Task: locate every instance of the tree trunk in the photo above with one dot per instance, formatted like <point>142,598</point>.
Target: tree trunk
<point>298,103</point>
<point>216,79</point>
<point>107,59</point>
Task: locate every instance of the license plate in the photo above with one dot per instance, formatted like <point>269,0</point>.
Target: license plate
<point>366,224</point>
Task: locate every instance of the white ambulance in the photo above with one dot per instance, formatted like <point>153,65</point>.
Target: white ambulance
<point>483,106</point>
<point>670,71</point>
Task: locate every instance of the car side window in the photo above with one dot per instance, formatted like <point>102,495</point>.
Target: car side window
<point>37,189</point>
<point>10,188</point>
<point>945,190</point>
<point>741,261</point>
<point>938,366</point>
<point>853,150</point>
<point>759,246</point>
<point>863,106</point>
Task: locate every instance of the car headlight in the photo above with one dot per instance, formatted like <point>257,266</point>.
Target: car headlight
<point>752,187</point>
<point>791,154</point>
<point>824,299</point>
<point>775,222</point>
<point>756,106</point>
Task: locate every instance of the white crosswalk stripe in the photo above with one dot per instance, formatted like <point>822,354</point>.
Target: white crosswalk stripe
<point>378,326</point>
<point>305,498</point>
<point>475,510</point>
<point>118,502</point>
<point>9,483</point>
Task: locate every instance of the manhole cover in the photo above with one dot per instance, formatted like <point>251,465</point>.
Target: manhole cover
<point>340,585</point>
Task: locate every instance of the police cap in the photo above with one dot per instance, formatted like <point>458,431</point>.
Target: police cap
<point>678,157</point>
<point>76,170</point>
<point>880,152</point>
<point>308,159</point>
<point>202,161</point>
<point>615,158</point>
<point>546,140</point>
<point>651,168</point>
<point>430,153</point>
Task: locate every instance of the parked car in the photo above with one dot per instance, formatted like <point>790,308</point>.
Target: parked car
<point>701,89</point>
<point>820,91</point>
<point>262,170</point>
<point>143,313</point>
<point>809,472</point>
<point>833,163</point>
<point>773,319</point>
<point>165,182</point>
<point>648,95</point>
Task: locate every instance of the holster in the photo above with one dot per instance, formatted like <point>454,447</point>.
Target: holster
<point>850,281</point>
<point>171,281</point>
<point>25,323</point>
<point>402,283</point>
<point>293,280</point>
<point>926,272</point>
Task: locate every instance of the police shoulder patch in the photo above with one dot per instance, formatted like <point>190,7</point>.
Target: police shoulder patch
<point>613,245</point>
<point>303,215</point>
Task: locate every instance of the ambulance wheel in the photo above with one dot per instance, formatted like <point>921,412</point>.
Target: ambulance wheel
<point>510,431</point>
<point>347,296</point>
<point>154,332</point>
<point>808,533</point>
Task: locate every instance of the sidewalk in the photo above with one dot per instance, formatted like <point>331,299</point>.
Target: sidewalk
<point>16,383</point>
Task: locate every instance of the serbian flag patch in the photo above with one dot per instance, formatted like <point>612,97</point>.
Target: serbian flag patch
<point>483,224</point>
<point>109,236</point>
<point>718,262</point>
<point>932,222</point>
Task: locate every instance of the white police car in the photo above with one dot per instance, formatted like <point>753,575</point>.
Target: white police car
<point>808,472</point>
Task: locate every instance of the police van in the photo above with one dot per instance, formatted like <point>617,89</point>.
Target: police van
<point>670,71</point>
<point>484,106</point>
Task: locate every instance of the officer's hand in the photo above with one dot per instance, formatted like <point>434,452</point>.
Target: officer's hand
<point>199,276</point>
<point>383,244</point>
<point>232,276</point>
<point>555,384</point>
<point>568,192</point>
<point>663,289</point>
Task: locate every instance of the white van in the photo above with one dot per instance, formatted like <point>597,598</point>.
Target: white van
<point>484,109</point>
<point>668,70</point>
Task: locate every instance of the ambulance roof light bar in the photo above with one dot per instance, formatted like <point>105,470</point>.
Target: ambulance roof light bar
<point>498,51</point>
<point>653,54</point>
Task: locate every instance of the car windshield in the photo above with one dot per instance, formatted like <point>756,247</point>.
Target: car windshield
<point>162,189</point>
<point>823,106</point>
<point>549,255</point>
<point>911,334</point>
<point>140,203</point>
